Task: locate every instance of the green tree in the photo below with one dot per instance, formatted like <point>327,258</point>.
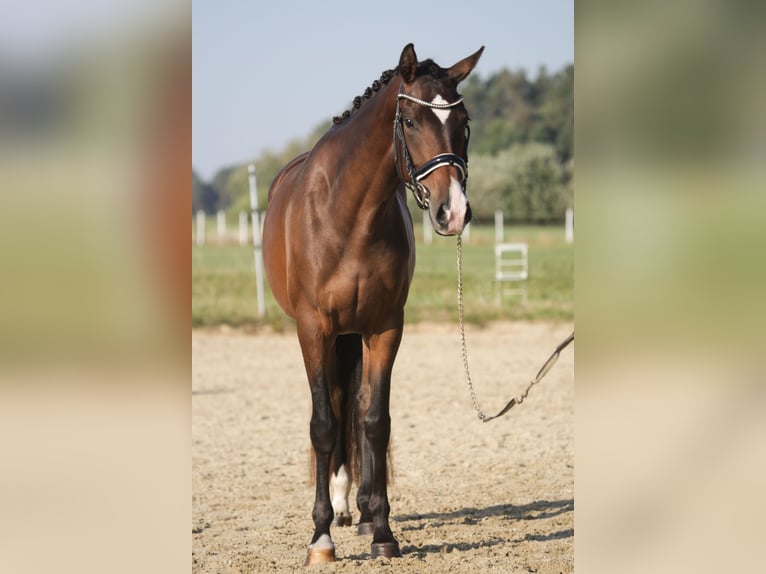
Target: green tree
<point>204,195</point>
<point>509,108</point>
<point>526,181</point>
<point>556,113</point>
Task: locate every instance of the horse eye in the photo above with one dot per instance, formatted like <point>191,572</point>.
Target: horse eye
<point>409,123</point>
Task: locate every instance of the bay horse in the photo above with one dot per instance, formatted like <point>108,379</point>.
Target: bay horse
<point>339,254</point>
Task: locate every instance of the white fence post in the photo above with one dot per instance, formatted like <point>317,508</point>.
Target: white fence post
<point>569,225</point>
<point>200,227</point>
<point>499,231</point>
<point>258,254</point>
<point>242,228</point>
<point>221,221</point>
<point>428,230</point>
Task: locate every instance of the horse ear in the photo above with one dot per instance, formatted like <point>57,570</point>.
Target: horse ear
<point>460,71</point>
<point>408,63</point>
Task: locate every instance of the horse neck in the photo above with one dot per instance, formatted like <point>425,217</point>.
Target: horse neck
<point>366,141</point>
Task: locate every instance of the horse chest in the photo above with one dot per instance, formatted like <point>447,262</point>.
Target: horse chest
<point>360,289</point>
<point>366,270</point>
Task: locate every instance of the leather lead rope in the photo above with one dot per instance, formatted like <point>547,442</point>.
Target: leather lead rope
<point>538,377</point>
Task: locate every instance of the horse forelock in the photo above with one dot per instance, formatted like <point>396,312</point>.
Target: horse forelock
<point>432,81</point>
<point>430,68</point>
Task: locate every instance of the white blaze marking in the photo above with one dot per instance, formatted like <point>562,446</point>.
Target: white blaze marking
<point>340,487</point>
<point>441,114</point>
<point>457,207</point>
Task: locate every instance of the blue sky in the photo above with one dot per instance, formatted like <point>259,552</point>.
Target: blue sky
<point>268,72</point>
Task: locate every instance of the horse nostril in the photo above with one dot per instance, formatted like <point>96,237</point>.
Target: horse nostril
<point>441,214</point>
<point>468,214</point>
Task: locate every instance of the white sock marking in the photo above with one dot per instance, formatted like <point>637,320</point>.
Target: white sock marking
<point>441,114</point>
<point>340,486</point>
<point>324,541</point>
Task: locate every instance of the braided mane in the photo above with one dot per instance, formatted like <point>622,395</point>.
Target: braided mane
<point>428,66</point>
<point>385,77</point>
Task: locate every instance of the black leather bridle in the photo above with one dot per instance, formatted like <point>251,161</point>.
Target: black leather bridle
<point>414,176</point>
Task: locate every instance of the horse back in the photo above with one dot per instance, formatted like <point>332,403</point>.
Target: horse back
<point>291,166</point>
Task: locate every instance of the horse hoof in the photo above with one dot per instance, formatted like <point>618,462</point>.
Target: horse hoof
<point>342,520</point>
<point>319,556</point>
<point>364,529</point>
<point>385,549</point>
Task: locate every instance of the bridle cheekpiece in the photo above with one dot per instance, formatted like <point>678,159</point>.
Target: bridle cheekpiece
<point>414,176</point>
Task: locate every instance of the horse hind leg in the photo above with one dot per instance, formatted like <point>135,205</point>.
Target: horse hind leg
<point>348,352</point>
<point>340,486</point>
<point>363,455</point>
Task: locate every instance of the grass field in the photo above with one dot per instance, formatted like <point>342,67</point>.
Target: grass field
<point>224,292</point>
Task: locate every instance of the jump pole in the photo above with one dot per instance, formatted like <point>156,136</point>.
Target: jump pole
<point>257,252</point>
<point>200,227</point>
<point>499,229</point>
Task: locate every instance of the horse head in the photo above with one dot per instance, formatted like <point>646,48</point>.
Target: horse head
<point>431,132</point>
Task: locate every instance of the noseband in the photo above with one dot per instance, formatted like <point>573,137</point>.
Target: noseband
<point>419,191</point>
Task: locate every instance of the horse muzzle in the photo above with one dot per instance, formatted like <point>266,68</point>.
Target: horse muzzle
<point>451,215</point>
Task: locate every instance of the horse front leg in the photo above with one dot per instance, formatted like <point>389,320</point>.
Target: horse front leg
<point>377,431</point>
<point>323,432</point>
<point>365,525</point>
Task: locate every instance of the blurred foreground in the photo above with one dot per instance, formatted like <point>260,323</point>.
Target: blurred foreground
<point>670,275</point>
<point>95,146</point>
